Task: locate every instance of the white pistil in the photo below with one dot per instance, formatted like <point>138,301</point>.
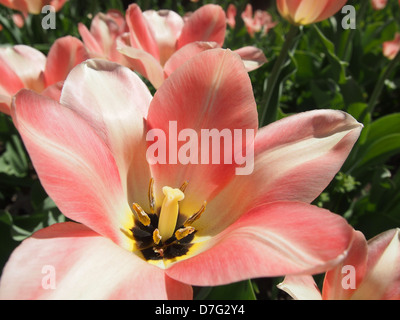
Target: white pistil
<point>169,211</point>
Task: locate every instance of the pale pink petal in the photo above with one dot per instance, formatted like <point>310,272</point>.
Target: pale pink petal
<point>27,62</point>
<point>74,165</point>
<point>211,91</point>
<point>382,280</point>
<point>54,91</point>
<point>252,57</point>
<point>275,239</point>
<point>300,287</point>
<point>140,34</point>
<point>64,54</point>
<point>5,104</point>
<point>114,101</point>
<point>185,53</point>
<point>166,27</point>
<point>144,63</point>
<point>10,82</point>
<point>70,261</point>
<point>208,23</point>
<point>294,160</point>
<point>90,41</point>
<point>336,286</point>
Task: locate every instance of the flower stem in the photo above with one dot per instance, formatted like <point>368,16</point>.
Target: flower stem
<point>379,86</point>
<point>269,112</point>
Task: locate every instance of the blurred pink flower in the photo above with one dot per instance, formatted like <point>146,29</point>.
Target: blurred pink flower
<point>260,22</point>
<point>32,6</point>
<point>392,48</point>
<point>378,4</point>
<point>106,30</point>
<point>19,19</point>
<point>22,66</point>
<point>231,15</point>
<point>136,240</point>
<point>371,271</point>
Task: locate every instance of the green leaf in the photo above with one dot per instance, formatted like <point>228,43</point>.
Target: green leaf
<point>338,67</point>
<point>381,150</point>
<point>14,160</point>
<point>236,291</point>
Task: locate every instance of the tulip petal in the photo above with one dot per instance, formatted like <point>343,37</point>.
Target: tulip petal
<point>355,262</point>
<point>64,55</point>
<point>140,34</point>
<point>70,261</point>
<point>331,8</point>
<point>382,281</point>
<point>74,165</point>
<point>211,91</point>
<point>114,101</point>
<point>166,27</point>
<point>185,53</point>
<point>295,160</point>
<point>144,63</point>
<point>27,63</point>
<point>275,239</point>
<point>208,23</point>
<point>300,287</point>
<point>252,57</point>
<point>90,41</point>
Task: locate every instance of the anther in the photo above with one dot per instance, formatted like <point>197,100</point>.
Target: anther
<point>183,186</point>
<point>142,216</point>
<point>152,200</point>
<point>183,232</point>
<point>195,216</point>
<point>156,236</point>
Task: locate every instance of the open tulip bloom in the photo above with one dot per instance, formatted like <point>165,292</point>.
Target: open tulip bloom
<point>151,231</point>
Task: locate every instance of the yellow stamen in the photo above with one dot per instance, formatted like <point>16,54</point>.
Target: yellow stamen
<point>195,216</point>
<point>169,211</point>
<point>152,199</point>
<point>183,232</point>
<point>156,236</point>
<point>141,215</point>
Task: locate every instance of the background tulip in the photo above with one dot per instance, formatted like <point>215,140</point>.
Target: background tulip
<point>32,6</point>
<point>305,12</point>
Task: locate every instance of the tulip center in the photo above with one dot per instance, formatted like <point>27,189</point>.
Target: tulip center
<point>160,233</point>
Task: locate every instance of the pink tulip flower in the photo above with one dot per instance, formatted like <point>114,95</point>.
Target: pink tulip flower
<point>32,6</point>
<point>162,41</point>
<point>105,30</point>
<point>303,12</point>
<point>22,66</point>
<point>231,15</point>
<point>371,271</point>
<point>261,21</point>
<point>378,4</point>
<point>392,48</point>
<point>151,231</point>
